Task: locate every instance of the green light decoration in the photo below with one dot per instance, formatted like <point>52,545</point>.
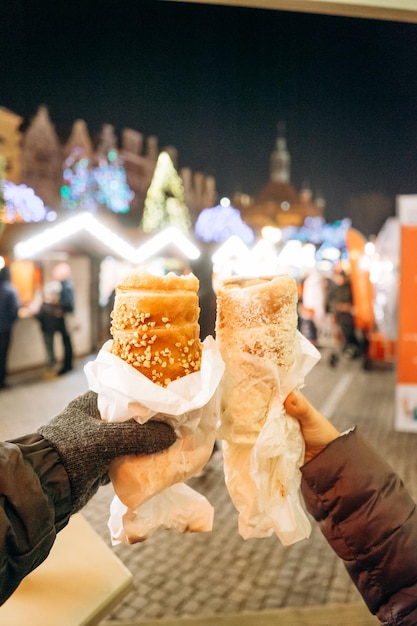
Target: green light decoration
<point>164,203</point>
<point>65,192</point>
<point>87,187</point>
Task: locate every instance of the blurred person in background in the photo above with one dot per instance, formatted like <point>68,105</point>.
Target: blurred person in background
<point>9,308</point>
<point>339,303</point>
<point>311,306</point>
<point>49,317</point>
<point>62,274</point>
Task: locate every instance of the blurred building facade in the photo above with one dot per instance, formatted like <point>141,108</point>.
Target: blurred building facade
<point>278,203</point>
<point>10,141</point>
<point>35,156</point>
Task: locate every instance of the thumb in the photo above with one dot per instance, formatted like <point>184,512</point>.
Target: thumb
<point>299,407</point>
<point>317,431</point>
<point>133,438</point>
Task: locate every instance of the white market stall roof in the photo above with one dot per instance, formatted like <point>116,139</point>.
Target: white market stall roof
<point>86,223</point>
<point>395,10</point>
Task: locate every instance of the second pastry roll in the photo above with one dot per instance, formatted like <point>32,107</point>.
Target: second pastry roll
<point>256,328</point>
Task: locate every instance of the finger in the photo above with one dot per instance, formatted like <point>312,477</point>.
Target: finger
<point>298,406</point>
<point>130,437</point>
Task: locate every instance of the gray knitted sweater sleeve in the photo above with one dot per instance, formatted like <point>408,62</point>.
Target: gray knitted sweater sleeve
<point>87,445</point>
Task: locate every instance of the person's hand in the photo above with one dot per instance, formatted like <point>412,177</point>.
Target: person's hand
<point>317,431</point>
<point>87,445</point>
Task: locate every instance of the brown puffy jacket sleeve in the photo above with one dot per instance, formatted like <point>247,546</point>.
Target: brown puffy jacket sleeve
<point>35,503</point>
<point>370,521</point>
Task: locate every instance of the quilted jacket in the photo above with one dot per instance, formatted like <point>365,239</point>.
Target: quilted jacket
<point>370,521</point>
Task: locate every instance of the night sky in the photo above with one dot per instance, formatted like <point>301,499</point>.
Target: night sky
<point>215,81</point>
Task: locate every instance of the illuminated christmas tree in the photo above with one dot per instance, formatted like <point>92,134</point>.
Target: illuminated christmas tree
<point>164,204</point>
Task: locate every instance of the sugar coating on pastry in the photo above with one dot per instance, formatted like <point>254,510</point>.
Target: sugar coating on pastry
<point>258,316</point>
<point>256,327</point>
<point>155,325</point>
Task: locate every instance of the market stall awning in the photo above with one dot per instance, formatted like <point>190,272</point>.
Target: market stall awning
<point>85,232</point>
<point>395,10</point>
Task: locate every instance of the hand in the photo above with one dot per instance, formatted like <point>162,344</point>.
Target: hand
<point>87,445</point>
<point>317,431</point>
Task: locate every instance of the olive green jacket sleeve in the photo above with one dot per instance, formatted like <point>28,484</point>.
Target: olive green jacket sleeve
<point>35,503</point>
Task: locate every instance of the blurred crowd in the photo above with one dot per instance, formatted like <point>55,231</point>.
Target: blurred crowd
<point>50,308</point>
<point>326,313</point>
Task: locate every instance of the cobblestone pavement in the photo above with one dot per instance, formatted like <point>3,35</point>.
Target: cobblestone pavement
<point>218,572</point>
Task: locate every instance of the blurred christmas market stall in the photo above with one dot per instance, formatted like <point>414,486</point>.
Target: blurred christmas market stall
<point>108,206</point>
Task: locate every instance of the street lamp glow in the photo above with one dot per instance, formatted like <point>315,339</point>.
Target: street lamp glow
<point>271,234</point>
<point>369,248</point>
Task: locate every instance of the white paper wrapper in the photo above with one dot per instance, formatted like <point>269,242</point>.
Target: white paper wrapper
<point>263,478</point>
<point>149,490</point>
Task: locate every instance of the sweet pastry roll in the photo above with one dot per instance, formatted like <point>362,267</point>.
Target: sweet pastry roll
<point>256,329</point>
<point>155,325</point>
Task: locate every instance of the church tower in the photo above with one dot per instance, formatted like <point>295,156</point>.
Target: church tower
<point>281,159</point>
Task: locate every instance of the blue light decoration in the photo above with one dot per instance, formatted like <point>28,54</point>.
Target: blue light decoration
<point>79,188</point>
<point>88,187</point>
<point>323,235</point>
<point>21,204</point>
<point>219,223</point>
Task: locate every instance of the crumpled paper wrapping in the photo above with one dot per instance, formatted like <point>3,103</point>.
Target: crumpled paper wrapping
<point>150,493</point>
<point>263,476</point>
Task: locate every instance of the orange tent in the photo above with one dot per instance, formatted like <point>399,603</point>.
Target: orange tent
<point>362,290</point>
